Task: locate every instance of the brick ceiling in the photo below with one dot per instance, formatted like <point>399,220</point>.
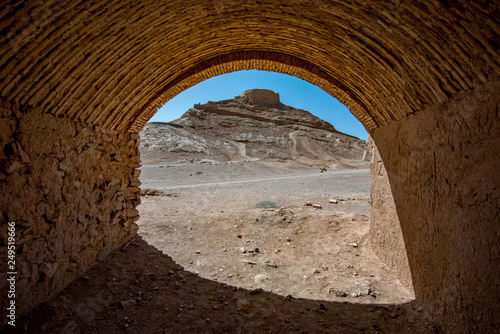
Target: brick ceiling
<point>113,63</point>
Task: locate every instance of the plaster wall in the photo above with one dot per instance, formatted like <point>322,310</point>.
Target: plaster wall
<point>443,168</point>
<point>385,236</point>
<point>71,189</point>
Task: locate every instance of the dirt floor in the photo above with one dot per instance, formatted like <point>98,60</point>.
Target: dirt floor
<point>245,255</point>
<point>248,225</point>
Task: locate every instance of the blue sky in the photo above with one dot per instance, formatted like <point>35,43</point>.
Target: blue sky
<point>293,92</point>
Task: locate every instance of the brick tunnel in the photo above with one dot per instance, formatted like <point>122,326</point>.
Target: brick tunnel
<point>79,80</point>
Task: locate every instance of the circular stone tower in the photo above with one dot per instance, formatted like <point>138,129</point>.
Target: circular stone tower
<point>261,96</point>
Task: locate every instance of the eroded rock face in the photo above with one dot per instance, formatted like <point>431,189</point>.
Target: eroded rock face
<point>254,125</point>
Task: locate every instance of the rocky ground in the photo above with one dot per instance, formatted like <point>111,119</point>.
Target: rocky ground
<point>141,290</point>
<point>252,228</point>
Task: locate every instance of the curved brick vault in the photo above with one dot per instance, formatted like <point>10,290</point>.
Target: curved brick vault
<point>79,79</point>
<point>110,62</point>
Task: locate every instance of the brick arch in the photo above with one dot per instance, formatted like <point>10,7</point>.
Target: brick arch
<point>103,63</point>
<point>249,60</point>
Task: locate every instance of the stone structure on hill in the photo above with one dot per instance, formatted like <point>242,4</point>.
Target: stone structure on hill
<point>261,96</point>
<point>254,125</point>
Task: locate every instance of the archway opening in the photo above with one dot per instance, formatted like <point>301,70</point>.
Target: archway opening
<point>238,193</point>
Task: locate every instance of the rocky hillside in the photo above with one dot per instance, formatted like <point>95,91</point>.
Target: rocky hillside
<point>252,126</point>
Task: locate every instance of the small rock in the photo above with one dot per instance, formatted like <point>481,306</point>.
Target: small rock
<point>12,167</point>
<point>85,278</point>
<point>242,305</point>
<point>261,278</point>
<point>127,303</point>
<point>197,252</point>
<point>361,291</point>
<point>47,270</point>
<point>316,271</point>
<point>354,244</point>
<point>334,201</point>
<point>317,206</point>
<point>309,204</point>
<point>337,293</point>
<point>243,250</point>
<point>288,239</point>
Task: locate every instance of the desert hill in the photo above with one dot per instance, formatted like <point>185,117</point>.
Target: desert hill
<point>265,217</point>
<point>252,126</point>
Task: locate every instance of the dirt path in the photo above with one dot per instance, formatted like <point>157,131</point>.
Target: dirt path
<point>303,177</point>
<point>242,148</point>
<point>293,138</point>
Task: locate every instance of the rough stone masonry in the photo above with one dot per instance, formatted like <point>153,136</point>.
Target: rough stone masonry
<point>71,190</point>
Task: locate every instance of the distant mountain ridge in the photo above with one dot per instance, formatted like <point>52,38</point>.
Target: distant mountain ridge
<point>252,126</point>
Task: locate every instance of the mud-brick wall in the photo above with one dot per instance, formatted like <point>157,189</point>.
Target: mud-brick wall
<point>71,189</point>
<point>443,166</point>
<point>385,236</point>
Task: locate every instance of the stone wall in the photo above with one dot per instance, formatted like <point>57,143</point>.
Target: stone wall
<point>71,189</point>
<point>444,173</point>
<point>385,236</point>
